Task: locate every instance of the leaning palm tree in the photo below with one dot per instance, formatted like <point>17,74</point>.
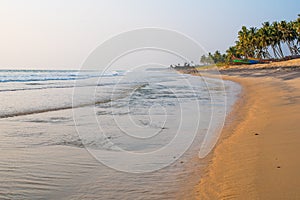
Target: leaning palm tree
<point>273,38</point>
<point>265,37</point>
<point>289,35</point>
<point>296,26</point>
<point>256,43</point>
<point>263,41</point>
<point>277,38</point>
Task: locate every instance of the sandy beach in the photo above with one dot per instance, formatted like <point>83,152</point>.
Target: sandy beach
<point>257,155</point>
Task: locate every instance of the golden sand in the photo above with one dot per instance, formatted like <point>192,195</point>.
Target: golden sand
<point>258,154</point>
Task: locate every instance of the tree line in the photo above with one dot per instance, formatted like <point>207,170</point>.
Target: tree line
<point>266,42</point>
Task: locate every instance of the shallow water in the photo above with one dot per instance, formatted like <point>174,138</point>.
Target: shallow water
<point>50,143</point>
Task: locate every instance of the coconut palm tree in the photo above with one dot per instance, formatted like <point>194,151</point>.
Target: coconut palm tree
<point>296,26</point>
<point>289,35</point>
<point>254,42</point>
<point>265,39</point>
<point>244,45</point>
<point>251,42</point>
<point>276,38</point>
<point>232,53</point>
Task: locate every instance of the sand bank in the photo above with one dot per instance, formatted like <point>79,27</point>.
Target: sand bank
<point>258,154</point>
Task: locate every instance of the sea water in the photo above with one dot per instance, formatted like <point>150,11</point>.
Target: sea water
<point>45,156</point>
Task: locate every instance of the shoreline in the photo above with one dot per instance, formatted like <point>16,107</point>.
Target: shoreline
<point>256,156</point>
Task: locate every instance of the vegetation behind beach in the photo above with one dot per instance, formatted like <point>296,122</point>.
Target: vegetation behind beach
<point>272,41</point>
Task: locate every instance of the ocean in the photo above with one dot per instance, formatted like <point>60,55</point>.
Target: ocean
<point>107,135</point>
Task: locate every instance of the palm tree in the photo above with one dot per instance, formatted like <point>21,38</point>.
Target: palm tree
<point>289,34</point>
<point>256,43</point>
<point>276,38</point>
<point>296,26</point>
<point>231,53</point>
<point>243,42</point>
<point>263,41</point>
<point>252,42</point>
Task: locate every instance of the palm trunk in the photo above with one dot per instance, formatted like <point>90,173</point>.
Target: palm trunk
<point>267,54</point>
<point>274,51</point>
<point>280,50</point>
<point>294,47</point>
<point>288,43</point>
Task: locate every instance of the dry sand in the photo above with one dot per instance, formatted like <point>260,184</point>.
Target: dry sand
<point>258,154</point>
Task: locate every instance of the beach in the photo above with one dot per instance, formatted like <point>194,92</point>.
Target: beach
<point>149,100</point>
<point>257,154</point>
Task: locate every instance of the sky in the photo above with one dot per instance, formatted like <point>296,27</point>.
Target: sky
<point>60,34</point>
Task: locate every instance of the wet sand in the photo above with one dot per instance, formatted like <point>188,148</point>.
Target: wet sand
<point>257,156</point>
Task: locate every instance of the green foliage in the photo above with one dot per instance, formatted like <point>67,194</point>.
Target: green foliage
<point>217,57</point>
<point>256,42</point>
<point>259,42</point>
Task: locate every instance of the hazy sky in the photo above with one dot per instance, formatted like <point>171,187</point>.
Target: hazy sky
<point>60,34</point>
